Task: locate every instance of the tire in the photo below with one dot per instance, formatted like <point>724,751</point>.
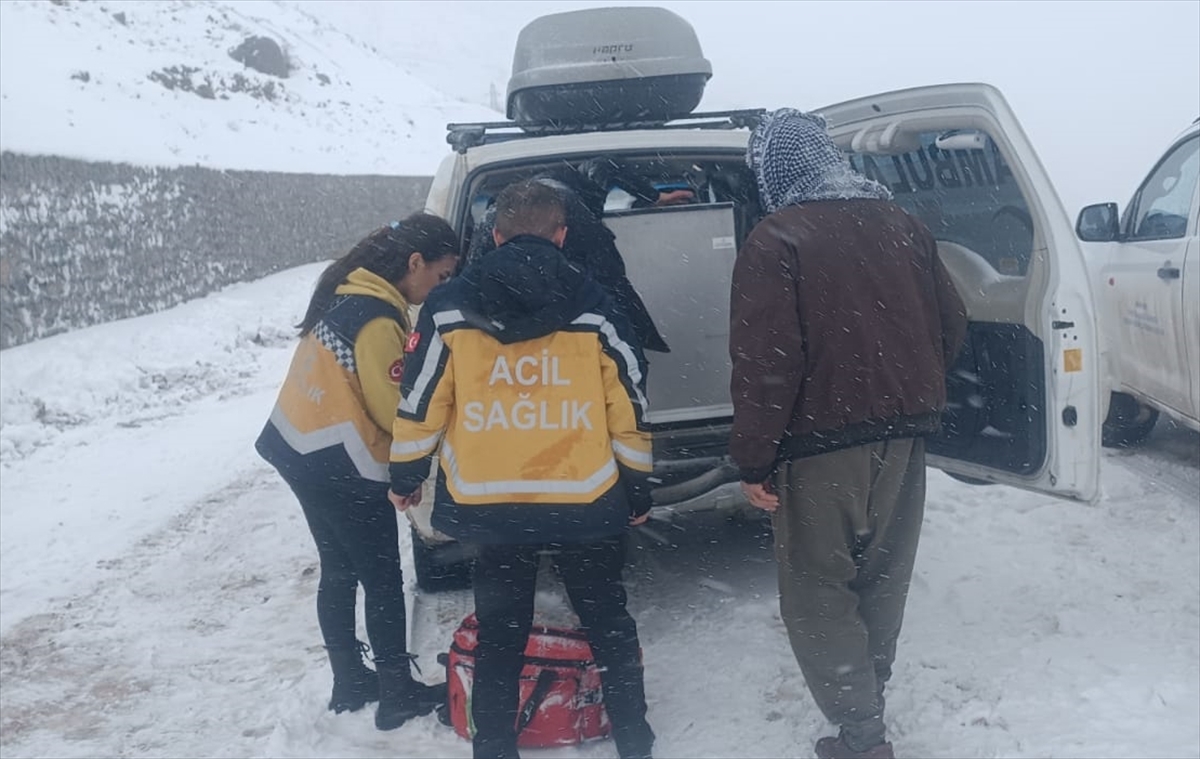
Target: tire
<point>440,568</point>
<point>1129,421</point>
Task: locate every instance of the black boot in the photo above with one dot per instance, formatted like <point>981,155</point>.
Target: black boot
<point>494,749</point>
<point>354,683</point>
<point>401,697</point>
<point>625,701</point>
<point>634,742</point>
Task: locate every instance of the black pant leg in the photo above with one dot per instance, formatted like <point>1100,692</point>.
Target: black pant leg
<point>592,576</point>
<point>338,583</point>
<point>361,543</point>
<point>368,528</point>
<point>504,581</point>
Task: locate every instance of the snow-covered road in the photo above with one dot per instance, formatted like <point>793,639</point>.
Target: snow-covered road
<point>157,583</point>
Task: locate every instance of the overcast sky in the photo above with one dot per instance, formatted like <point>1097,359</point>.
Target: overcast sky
<point>1101,86</point>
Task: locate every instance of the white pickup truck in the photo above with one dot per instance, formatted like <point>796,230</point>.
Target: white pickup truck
<point>1145,269</point>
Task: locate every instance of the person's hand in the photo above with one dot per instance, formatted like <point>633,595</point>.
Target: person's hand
<point>639,510</point>
<point>674,197</point>
<point>404,502</point>
<point>761,494</point>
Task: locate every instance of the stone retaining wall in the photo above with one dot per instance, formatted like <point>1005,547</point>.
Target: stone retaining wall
<point>83,243</point>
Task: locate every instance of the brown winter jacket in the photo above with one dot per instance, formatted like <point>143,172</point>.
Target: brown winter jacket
<point>843,322</point>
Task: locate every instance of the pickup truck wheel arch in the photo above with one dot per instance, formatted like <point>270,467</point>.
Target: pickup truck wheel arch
<point>1129,421</point>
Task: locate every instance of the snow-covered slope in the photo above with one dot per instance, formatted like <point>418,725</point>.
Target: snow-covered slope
<point>154,84</point>
<point>463,49</point>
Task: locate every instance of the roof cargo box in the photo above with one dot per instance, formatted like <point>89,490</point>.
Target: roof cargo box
<point>606,66</point>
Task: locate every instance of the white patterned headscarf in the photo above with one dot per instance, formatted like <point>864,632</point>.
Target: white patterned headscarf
<point>795,161</point>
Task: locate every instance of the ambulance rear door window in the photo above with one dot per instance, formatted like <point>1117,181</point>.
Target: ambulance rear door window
<point>968,197</point>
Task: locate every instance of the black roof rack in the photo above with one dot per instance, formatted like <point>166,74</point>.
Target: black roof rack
<point>465,136</point>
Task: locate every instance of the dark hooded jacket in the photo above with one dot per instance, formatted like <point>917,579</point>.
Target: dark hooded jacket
<point>589,244</point>
<point>528,385</point>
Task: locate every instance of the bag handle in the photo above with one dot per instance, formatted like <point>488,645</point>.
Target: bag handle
<point>540,690</point>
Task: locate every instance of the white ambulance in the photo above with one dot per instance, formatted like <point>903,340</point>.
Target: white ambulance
<point>1025,396</point>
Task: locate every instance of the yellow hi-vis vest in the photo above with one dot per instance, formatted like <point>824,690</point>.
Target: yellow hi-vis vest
<point>334,413</point>
<point>551,420</point>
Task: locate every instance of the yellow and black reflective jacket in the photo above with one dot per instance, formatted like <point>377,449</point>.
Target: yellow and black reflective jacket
<point>333,418</point>
<point>527,385</point>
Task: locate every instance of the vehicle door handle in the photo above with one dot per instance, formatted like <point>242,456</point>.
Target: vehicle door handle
<point>1168,272</point>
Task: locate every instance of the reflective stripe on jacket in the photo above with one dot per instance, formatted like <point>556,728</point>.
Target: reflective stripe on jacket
<point>538,439</point>
<point>333,415</point>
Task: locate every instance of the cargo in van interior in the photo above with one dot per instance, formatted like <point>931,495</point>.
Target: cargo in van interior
<point>680,260</point>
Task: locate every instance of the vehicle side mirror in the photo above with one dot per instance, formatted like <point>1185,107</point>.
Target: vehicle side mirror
<point>1099,223</point>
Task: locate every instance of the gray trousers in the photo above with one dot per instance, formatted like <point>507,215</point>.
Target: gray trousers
<point>846,534</point>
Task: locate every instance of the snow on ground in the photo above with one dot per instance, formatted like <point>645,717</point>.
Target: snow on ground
<point>345,108</point>
<point>157,583</point>
<point>82,419</point>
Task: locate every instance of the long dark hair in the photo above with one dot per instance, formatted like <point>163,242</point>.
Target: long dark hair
<point>384,252</point>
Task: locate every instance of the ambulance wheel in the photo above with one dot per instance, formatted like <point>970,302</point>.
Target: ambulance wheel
<point>439,568</point>
<point>1128,422</point>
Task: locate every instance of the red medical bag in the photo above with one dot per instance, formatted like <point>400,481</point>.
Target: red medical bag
<point>560,701</point>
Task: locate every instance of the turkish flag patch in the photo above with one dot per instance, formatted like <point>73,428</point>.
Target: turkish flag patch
<point>413,340</point>
<point>396,370</point>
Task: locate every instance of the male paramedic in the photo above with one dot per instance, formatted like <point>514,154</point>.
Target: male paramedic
<point>528,385</point>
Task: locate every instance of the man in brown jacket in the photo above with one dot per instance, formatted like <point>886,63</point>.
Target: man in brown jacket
<point>844,322</point>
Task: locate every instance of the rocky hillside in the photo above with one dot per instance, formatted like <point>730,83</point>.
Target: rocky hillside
<point>246,85</point>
